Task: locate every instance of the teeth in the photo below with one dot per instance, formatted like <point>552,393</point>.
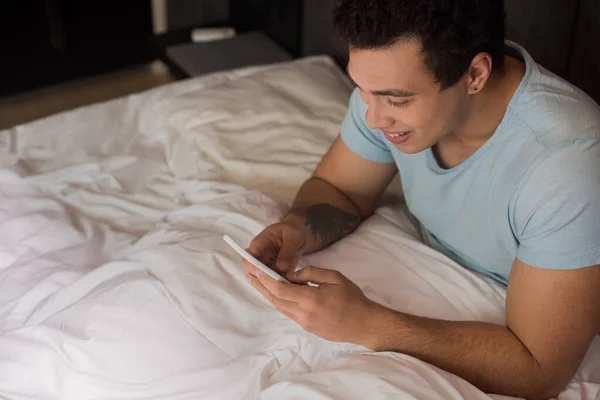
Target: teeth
<point>398,134</point>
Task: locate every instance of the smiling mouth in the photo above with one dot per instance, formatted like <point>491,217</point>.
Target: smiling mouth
<point>397,134</point>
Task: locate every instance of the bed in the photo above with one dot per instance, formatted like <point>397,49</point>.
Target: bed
<point>115,282</point>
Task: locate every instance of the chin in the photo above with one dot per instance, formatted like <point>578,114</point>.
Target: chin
<point>407,148</point>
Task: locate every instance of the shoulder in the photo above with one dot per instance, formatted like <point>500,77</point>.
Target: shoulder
<point>563,125</point>
<point>566,166</point>
<point>563,176</point>
<point>556,111</point>
<point>555,211</point>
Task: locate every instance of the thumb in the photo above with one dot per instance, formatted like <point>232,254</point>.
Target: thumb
<point>259,249</point>
<point>316,275</point>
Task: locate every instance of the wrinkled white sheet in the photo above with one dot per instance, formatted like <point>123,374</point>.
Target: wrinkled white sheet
<point>115,282</point>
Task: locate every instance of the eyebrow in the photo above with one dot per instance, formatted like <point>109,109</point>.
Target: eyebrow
<point>387,92</point>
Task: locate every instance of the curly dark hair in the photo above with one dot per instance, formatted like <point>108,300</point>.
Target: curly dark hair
<point>451,32</point>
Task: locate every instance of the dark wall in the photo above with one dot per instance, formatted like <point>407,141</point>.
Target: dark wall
<point>189,13</point>
<point>545,29</point>
<point>280,19</point>
<point>584,69</point>
<point>317,32</point>
<point>561,35</point>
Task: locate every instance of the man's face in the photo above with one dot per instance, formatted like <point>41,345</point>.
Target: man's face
<point>403,99</point>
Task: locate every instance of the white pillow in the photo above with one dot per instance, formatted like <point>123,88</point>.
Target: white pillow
<point>266,131</point>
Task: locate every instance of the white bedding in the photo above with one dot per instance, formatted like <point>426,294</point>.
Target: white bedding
<point>115,282</point>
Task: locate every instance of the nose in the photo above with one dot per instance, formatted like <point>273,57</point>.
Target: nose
<point>376,118</point>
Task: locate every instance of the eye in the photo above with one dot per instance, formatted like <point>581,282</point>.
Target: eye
<point>397,103</point>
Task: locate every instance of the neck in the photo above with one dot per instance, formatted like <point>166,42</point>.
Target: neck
<point>489,107</point>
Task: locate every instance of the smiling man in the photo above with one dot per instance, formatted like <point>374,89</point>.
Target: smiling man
<point>499,160</point>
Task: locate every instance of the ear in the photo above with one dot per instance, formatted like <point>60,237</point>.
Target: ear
<point>479,72</point>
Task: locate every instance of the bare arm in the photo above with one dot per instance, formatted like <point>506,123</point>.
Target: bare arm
<point>552,317</point>
<point>341,194</point>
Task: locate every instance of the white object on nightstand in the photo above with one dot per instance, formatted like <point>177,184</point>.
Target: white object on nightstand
<point>203,35</point>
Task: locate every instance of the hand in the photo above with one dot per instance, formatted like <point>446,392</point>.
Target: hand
<point>279,247</point>
<point>336,310</point>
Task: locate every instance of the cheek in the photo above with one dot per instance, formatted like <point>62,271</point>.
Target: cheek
<point>416,116</point>
<point>438,116</point>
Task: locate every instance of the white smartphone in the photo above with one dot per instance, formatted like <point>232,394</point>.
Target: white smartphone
<point>242,252</point>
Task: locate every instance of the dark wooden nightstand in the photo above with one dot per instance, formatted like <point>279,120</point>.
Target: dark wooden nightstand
<point>246,49</point>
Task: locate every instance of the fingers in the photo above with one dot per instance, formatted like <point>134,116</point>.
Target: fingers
<point>285,291</point>
<point>287,257</point>
<point>316,275</point>
<point>249,267</point>
<point>289,308</point>
<point>276,250</point>
<point>262,249</point>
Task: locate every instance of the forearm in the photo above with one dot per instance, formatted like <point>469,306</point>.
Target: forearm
<point>325,214</point>
<point>489,356</point>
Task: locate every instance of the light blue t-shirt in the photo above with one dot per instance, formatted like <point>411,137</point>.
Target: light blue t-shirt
<point>532,191</point>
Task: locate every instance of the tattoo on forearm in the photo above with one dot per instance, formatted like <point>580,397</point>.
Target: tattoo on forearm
<point>329,223</point>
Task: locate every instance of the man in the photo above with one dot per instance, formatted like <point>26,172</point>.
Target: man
<point>500,162</point>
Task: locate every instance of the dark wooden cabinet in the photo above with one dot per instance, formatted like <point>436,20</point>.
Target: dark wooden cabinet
<point>43,42</point>
<point>108,21</point>
<point>23,26</point>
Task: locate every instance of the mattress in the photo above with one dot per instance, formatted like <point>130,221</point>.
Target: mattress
<point>115,282</point>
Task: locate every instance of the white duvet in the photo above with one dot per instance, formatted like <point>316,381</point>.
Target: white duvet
<point>115,282</point>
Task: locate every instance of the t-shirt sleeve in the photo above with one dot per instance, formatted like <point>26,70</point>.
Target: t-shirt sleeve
<point>361,139</point>
<point>557,210</point>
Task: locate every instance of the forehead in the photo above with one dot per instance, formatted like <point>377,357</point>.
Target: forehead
<point>400,66</point>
